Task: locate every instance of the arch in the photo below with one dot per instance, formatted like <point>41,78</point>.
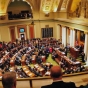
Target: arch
<point>31,4</point>
<point>28,2</point>
<point>3,7</point>
<point>8,4</point>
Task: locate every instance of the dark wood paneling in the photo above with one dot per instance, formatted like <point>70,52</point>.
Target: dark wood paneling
<point>12,33</point>
<point>31,31</point>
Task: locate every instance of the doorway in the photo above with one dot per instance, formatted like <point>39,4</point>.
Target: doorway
<point>22,36</point>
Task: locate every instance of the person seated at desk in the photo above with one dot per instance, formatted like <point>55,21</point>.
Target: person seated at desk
<point>18,60</point>
<point>61,48</point>
<point>56,75</point>
<point>21,73</point>
<point>37,72</point>
<point>28,61</point>
<point>6,68</point>
<point>39,59</point>
<point>67,71</point>
<point>54,55</point>
<point>77,46</point>
<point>43,66</point>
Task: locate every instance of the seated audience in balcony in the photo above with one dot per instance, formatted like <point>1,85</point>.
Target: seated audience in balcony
<point>20,15</point>
<point>56,75</point>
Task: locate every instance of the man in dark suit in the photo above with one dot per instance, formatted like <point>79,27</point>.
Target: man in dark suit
<point>56,75</point>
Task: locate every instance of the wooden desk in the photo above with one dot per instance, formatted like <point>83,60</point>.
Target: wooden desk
<point>33,59</point>
<point>43,58</point>
<point>74,52</point>
<point>23,59</point>
<point>40,69</point>
<point>66,59</point>
<point>70,62</point>
<point>60,54</point>
<point>28,72</point>
<point>12,61</point>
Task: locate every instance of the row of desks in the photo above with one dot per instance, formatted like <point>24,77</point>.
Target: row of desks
<point>70,63</point>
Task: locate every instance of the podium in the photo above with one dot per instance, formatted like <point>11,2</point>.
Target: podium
<point>74,52</point>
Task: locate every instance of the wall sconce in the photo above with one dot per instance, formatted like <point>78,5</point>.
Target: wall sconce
<point>47,15</point>
<point>2,16</point>
<point>32,23</point>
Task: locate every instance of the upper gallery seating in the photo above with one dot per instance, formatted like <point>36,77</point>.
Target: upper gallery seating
<point>21,15</point>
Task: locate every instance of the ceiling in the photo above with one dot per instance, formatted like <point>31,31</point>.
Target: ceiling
<point>45,6</point>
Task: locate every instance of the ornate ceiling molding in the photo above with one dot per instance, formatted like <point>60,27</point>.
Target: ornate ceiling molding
<point>48,6</point>
<point>64,5</point>
<point>74,5</point>
<point>3,7</point>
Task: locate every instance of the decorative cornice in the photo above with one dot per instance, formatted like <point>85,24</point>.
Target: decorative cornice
<point>85,32</point>
<point>59,22</point>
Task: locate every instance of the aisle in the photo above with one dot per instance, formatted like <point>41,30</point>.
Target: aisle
<point>51,60</point>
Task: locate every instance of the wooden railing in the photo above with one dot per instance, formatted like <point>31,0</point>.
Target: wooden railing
<point>30,79</point>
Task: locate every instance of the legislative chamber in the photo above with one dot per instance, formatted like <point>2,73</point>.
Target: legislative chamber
<point>38,34</point>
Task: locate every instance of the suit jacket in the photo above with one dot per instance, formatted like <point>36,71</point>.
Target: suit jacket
<point>86,86</point>
<point>60,84</point>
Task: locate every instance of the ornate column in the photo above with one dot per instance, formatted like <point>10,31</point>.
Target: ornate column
<point>71,37</point>
<point>35,31</point>
<point>86,46</point>
<point>64,36</point>
<point>28,31</point>
<point>16,32</point>
<point>87,52</point>
<point>68,35</point>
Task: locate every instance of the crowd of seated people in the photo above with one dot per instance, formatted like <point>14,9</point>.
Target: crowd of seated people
<point>68,67</point>
<point>18,55</point>
<point>74,65</point>
<point>33,47</point>
<point>74,69</point>
<point>21,73</point>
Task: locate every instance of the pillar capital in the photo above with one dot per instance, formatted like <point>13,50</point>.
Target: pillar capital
<point>71,28</point>
<point>63,25</point>
<point>85,32</point>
